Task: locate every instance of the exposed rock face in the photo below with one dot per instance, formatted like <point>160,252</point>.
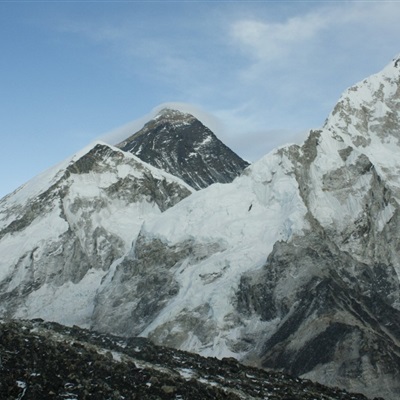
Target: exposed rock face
<point>181,145</point>
<point>142,285</point>
<point>42,360</point>
<point>60,233</point>
<point>335,326</point>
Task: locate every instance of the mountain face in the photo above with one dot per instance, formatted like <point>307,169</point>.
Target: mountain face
<point>81,364</point>
<point>294,265</point>
<point>181,145</point>
<point>62,231</point>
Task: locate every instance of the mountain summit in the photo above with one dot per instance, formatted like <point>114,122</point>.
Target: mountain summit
<point>180,144</point>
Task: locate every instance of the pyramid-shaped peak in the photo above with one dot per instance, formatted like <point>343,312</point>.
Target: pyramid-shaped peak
<point>180,144</point>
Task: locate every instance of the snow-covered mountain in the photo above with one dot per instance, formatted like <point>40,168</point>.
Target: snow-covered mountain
<point>62,231</point>
<point>180,144</point>
<point>294,265</point>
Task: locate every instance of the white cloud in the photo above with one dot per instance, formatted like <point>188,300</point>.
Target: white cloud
<point>328,27</point>
<point>268,41</point>
<point>295,65</point>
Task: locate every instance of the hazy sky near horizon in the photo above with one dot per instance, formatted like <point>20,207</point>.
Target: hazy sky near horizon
<point>259,73</point>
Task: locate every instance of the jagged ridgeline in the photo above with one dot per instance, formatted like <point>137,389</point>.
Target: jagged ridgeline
<point>293,265</point>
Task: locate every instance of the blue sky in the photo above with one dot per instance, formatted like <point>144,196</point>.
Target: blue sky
<point>260,73</point>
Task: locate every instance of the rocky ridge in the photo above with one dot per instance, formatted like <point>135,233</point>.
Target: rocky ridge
<point>180,144</point>
<point>40,360</point>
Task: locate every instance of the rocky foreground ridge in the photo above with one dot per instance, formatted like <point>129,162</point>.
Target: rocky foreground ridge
<point>40,360</point>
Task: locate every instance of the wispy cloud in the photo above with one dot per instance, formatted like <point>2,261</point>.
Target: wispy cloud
<point>155,53</point>
<point>98,33</point>
<point>294,67</point>
<point>326,28</point>
<point>270,41</point>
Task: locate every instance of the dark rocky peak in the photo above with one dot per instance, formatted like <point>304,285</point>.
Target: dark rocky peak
<point>180,144</point>
<point>166,118</point>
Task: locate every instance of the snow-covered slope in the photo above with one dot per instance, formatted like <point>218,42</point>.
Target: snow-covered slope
<point>180,144</point>
<point>293,265</point>
<point>200,250</point>
<point>368,117</point>
<point>62,231</point>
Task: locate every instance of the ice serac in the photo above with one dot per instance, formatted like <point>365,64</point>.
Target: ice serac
<point>180,144</point>
<point>295,265</point>
<point>61,232</point>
